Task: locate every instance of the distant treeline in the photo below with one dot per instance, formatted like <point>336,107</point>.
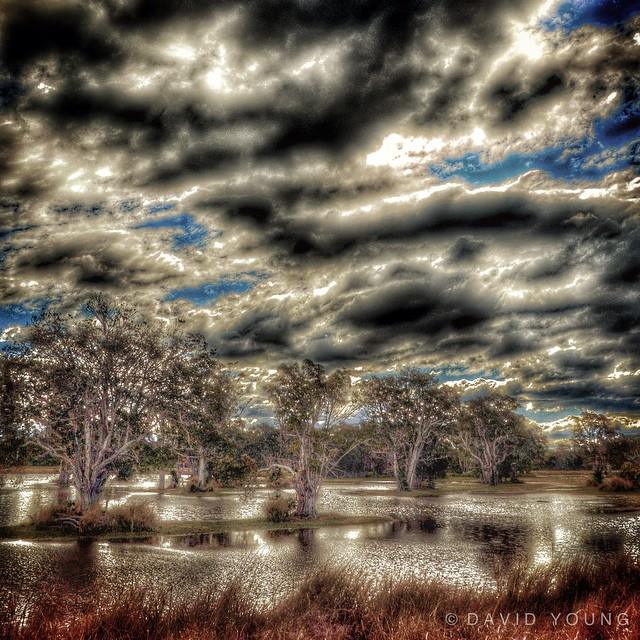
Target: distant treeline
<point>109,392</point>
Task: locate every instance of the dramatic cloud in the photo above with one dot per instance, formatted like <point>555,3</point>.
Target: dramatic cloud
<point>371,184</point>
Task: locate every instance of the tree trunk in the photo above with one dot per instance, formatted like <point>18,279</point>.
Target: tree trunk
<point>161,480</point>
<point>486,472</point>
<point>202,470</point>
<point>64,479</point>
<point>89,490</point>
<point>413,481</point>
<point>306,496</point>
<point>64,476</point>
<point>400,475</point>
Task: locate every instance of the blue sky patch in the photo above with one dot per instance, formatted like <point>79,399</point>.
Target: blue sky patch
<point>208,293</point>
<point>191,232</point>
<point>600,13</point>
<point>612,147</point>
<point>158,208</point>
<point>20,314</point>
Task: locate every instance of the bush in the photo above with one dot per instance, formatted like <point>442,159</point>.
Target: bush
<point>616,483</point>
<point>234,470</point>
<point>50,515</point>
<point>279,508</point>
<point>129,517</point>
<point>631,471</point>
<point>598,476</point>
<point>279,478</point>
<point>132,516</point>
<point>192,485</point>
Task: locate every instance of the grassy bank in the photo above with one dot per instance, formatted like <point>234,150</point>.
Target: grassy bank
<point>181,527</point>
<point>537,482</point>
<point>562,602</point>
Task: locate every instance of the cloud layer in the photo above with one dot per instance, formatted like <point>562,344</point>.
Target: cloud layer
<point>371,184</point>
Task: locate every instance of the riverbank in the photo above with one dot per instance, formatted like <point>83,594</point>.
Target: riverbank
<point>572,482</point>
<point>187,528</point>
<point>557,601</point>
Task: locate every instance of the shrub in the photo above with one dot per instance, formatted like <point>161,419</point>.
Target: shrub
<point>279,508</point>
<point>278,477</point>
<point>54,515</point>
<point>192,485</point>
<point>132,516</point>
<point>598,476</point>
<point>616,483</point>
<point>631,471</point>
<point>233,469</point>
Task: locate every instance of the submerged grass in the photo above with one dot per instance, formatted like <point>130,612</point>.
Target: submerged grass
<point>342,605</point>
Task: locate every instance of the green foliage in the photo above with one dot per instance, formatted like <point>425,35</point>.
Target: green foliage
<point>410,414</point>
<point>233,468</point>
<point>99,384</point>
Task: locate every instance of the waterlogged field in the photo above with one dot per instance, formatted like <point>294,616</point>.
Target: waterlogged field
<point>459,537</point>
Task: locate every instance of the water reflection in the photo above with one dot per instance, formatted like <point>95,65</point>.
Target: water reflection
<point>456,538</point>
<point>500,545</point>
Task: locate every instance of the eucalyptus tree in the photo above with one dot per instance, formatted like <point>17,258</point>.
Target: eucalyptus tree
<point>594,433</point>
<point>97,385</point>
<point>205,412</point>
<point>12,436</point>
<point>529,450</point>
<point>308,404</point>
<point>411,415</point>
<point>489,431</point>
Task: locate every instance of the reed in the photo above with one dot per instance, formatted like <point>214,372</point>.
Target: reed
<point>333,604</point>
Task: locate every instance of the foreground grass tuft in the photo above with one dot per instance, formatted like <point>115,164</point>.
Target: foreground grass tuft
<point>130,517</point>
<point>336,605</point>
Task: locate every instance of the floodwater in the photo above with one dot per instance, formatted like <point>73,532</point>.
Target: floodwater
<point>459,538</point>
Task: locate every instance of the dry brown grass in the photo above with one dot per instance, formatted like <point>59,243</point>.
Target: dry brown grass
<point>129,517</point>
<point>616,483</point>
<point>335,605</point>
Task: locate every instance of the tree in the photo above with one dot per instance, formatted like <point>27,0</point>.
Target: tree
<point>12,437</point>
<point>410,414</point>
<point>489,431</point>
<point>308,404</point>
<point>205,408</point>
<point>529,449</point>
<point>96,386</point>
<point>594,433</point>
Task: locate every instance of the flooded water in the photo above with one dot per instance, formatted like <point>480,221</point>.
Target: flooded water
<point>459,538</point>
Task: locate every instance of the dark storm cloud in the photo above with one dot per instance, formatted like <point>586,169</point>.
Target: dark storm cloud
<point>71,33</point>
<point>466,249</point>
<point>302,139</point>
<point>623,268</point>
<point>451,212</point>
<point>513,97</point>
<point>92,260</point>
<point>427,308</point>
<point>257,332</point>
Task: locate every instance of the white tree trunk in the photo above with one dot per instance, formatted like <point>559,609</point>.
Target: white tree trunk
<point>89,489</point>
<point>202,469</point>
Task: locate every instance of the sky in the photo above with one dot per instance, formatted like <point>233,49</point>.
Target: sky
<point>370,184</point>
